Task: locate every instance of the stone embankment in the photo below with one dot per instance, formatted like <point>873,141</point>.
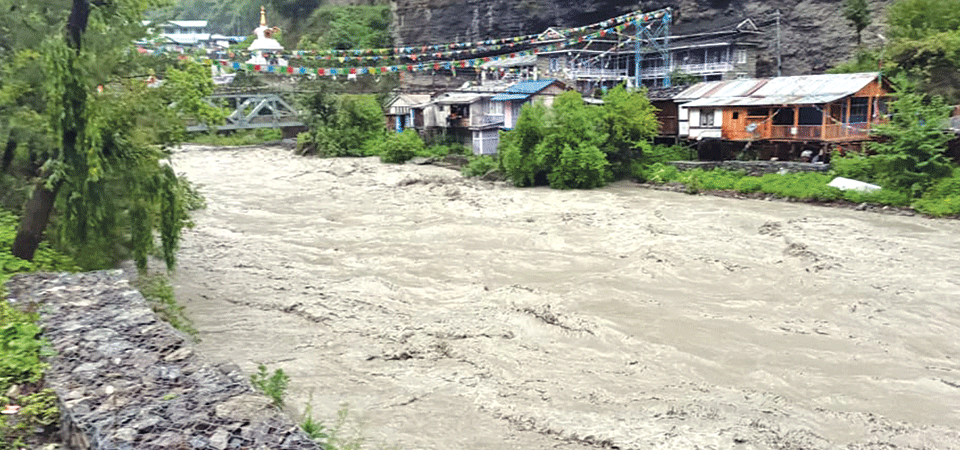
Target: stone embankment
<point>754,168</point>
<point>127,380</point>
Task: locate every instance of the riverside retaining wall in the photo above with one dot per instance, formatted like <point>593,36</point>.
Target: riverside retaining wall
<point>754,168</point>
<point>127,380</point>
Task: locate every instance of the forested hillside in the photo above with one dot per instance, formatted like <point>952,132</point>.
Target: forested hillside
<point>329,23</point>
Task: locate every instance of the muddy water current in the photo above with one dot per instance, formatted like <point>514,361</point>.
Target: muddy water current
<point>452,313</point>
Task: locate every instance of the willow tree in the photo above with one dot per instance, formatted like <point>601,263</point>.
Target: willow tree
<point>104,176</point>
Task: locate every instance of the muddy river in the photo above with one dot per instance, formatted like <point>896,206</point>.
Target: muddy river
<point>452,313</point>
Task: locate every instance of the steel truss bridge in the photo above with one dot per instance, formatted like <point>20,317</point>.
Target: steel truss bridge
<point>250,110</point>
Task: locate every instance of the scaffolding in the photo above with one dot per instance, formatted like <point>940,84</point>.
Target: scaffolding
<point>653,30</point>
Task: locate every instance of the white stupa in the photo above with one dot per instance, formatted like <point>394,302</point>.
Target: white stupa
<point>264,41</point>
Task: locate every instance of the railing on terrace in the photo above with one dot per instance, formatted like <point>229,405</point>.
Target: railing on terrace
<point>691,69</point>
<point>487,119</point>
<point>826,133</point>
<point>590,72</point>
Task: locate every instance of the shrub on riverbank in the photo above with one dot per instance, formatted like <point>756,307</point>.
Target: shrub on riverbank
<point>942,199</point>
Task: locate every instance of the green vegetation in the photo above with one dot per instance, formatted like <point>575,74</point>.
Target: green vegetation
<point>342,125</point>
<point>921,49</point>
<point>480,166</point>
<point>347,27</point>
<point>241,137</point>
<point>574,145</point>
<point>158,292</point>
<point>22,348</point>
<point>274,386</point>
<point>398,148</point>
<point>857,13</point>
<point>94,158</point>
<point>333,438</point>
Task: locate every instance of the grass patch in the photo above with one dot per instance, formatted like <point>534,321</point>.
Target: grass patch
<point>241,137</point>
<point>158,292</point>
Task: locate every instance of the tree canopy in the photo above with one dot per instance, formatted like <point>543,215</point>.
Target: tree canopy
<point>101,131</point>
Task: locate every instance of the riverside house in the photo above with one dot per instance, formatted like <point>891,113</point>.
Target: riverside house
<point>823,108</point>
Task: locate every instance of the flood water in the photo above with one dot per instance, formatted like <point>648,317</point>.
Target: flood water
<point>452,313</point>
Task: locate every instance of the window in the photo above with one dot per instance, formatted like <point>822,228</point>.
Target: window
<point>706,118</point>
<point>495,108</point>
<point>554,64</point>
<point>858,109</point>
<point>741,55</point>
<point>736,115</point>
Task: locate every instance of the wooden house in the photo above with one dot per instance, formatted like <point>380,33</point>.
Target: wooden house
<point>833,108</point>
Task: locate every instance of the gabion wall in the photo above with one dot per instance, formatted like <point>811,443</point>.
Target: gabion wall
<point>127,380</point>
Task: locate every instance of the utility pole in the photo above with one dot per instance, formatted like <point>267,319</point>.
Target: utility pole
<point>778,44</point>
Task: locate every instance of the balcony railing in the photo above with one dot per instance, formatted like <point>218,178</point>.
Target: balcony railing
<point>826,133</point>
<point>691,69</point>
<point>591,72</point>
<point>487,119</point>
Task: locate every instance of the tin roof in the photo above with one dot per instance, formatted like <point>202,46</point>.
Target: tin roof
<point>796,90</point>
<point>523,90</point>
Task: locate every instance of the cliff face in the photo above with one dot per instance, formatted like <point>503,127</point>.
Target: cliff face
<point>814,35</point>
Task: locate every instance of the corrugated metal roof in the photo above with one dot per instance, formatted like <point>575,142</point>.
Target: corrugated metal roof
<point>509,97</point>
<point>523,90</point>
<point>455,98</point>
<point>797,90</point>
<point>530,86</point>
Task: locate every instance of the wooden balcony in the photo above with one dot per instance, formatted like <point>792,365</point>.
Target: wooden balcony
<point>834,132</point>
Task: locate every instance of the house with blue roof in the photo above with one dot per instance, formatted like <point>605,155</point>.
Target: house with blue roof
<point>504,109</point>
<point>529,91</point>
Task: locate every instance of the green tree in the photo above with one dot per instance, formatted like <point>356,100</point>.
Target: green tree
<point>915,19</point>
<point>348,27</point>
<point>925,44</point>
<point>103,173</point>
<point>630,122</point>
<point>570,151</point>
<point>345,124</point>
<point>910,150</point>
<point>858,13</point>
<point>518,147</point>
<point>400,147</point>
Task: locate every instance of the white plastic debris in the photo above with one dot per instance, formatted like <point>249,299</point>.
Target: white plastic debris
<point>847,184</point>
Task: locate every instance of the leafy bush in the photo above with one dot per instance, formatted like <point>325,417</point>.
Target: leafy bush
<point>882,197</point>
<point>661,173</point>
<point>400,147</point>
<point>807,185</point>
<point>943,198</point>
<point>345,125</point>
<point>665,154</point>
<point>629,123</point>
<point>518,147</point>
<point>274,386</point>
<point>911,150</point>
<point>241,137</point>
<point>479,166</point>
<point>854,166</point>
<point>20,348</point>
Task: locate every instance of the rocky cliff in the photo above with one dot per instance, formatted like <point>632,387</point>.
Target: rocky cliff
<point>814,34</point>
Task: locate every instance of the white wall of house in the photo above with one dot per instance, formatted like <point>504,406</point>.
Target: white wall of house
<point>683,121</point>
<point>705,123</point>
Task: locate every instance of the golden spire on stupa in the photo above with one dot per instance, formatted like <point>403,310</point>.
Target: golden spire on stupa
<point>263,16</point>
